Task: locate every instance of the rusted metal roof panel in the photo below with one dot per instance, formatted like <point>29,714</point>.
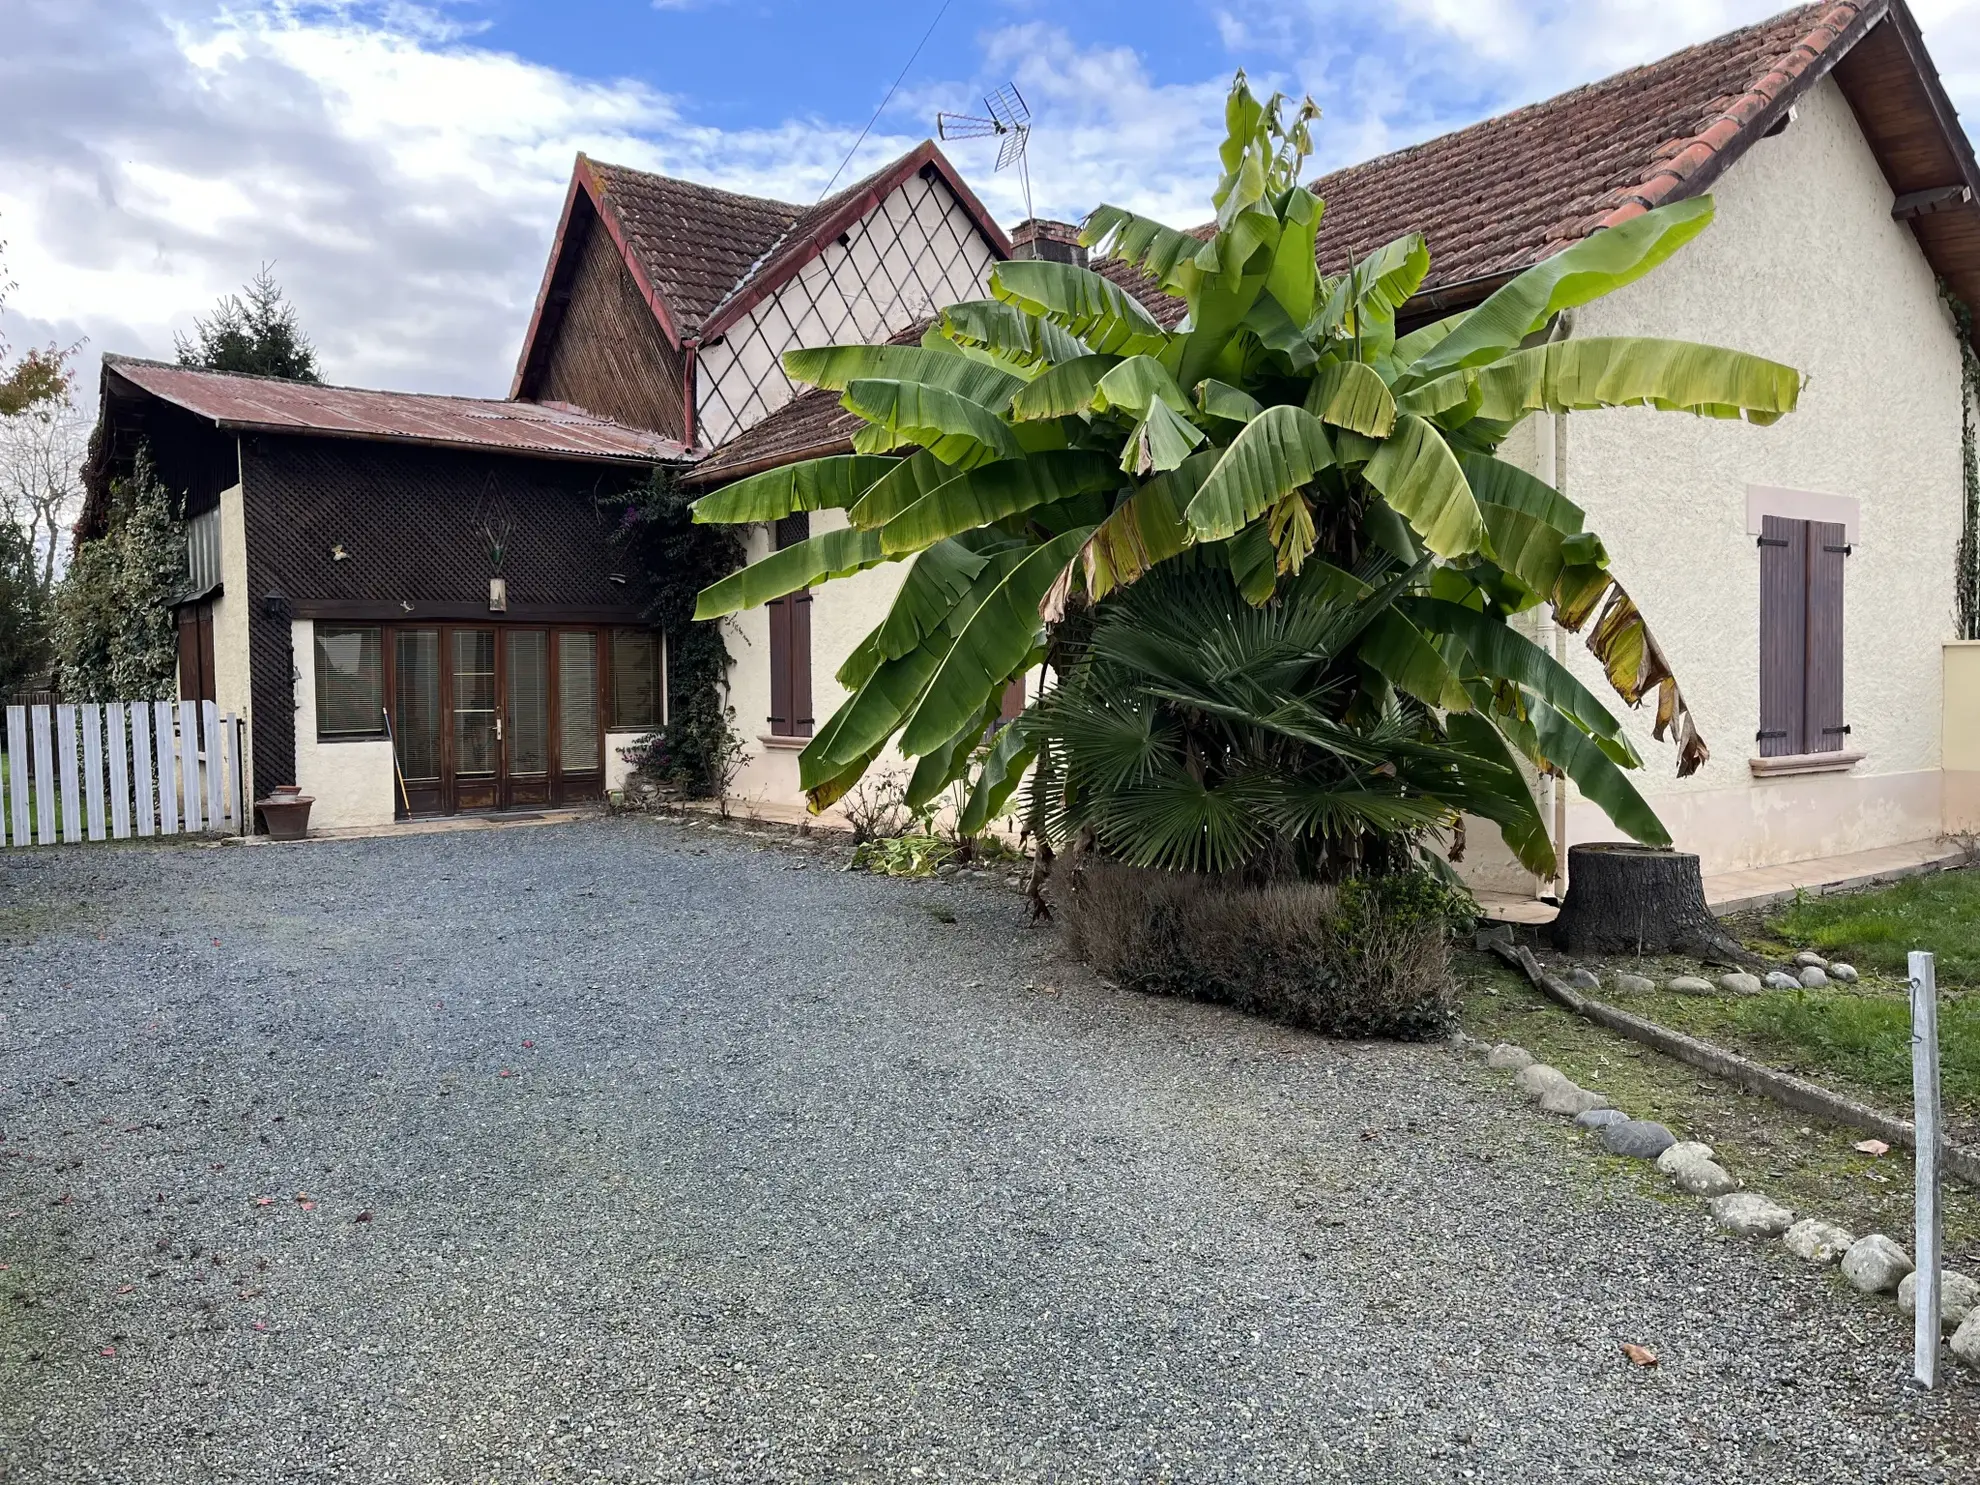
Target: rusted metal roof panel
<point>274,405</point>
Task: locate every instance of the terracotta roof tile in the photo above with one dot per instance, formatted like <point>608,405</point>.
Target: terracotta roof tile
<point>694,243</point>
<point>809,425</point>
<point>1504,194</point>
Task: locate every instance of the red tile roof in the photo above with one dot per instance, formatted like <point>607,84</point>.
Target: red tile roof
<point>1497,197</point>
<point>275,405</point>
<point>693,242</point>
<point>1504,194</point>
<point>811,424</point>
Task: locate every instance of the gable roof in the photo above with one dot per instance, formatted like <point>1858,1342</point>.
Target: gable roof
<point>267,404</point>
<point>1497,197</point>
<point>702,258</point>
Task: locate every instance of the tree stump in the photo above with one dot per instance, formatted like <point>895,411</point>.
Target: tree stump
<point>1624,898</point>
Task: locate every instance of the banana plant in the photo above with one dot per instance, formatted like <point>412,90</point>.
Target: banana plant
<point>1042,451</point>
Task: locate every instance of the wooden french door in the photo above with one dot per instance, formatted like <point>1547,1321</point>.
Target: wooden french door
<point>491,717</point>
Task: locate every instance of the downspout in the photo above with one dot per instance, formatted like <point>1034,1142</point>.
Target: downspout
<point>1552,461</point>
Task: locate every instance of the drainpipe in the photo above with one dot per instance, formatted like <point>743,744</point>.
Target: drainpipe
<point>1552,462</point>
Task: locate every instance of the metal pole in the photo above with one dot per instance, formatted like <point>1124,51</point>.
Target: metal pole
<point>1925,1120</point>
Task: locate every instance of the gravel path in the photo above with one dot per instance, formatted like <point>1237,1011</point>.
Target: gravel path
<point>635,1152</point>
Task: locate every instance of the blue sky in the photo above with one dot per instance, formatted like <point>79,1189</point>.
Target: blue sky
<point>402,162</point>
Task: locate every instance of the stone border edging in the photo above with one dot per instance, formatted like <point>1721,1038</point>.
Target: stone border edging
<point>1785,1088</point>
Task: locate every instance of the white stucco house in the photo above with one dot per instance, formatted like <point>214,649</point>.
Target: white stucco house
<point>1799,576</point>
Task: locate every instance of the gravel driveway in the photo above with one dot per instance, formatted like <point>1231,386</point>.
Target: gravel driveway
<point>628,1151</point>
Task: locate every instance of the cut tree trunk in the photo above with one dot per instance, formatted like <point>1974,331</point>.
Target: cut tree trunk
<point>1628,899</point>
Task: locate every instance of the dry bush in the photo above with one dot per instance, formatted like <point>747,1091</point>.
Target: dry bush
<point>1361,960</point>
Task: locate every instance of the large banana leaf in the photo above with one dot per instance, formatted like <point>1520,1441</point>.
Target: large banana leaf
<point>946,424</point>
<point>989,645</point>
<point>1274,454</point>
<point>1166,254</point>
<point>1066,389</point>
<point>1141,531</point>
<point>1501,653</point>
<point>1254,563</point>
<point>817,484</point>
<point>1160,441</point>
<point>1617,371</point>
<point>868,717</point>
<point>1419,475</point>
<point>1596,775</point>
<point>1365,300</point>
<point>993,491</point>
<point>936,582</point>
<point>1350,395</point>
<point>871,715</point>
<point>1222,400</point>
<point>996,326</point>
<point>1509,804</point>
<point>947,762</point>
<point>1589,269</point>
<point>897,489</point>
<point>1103,315</point>
<point>834,554</point>
<point>1506,484</point>
<point>1003,767</point>
<point>1294,272</point>
<point>1398,650</point>
<point>1134,385</point>
<point>837,367</point>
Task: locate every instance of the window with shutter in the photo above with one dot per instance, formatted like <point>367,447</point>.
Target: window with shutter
<point>1801,637</point>
<point>790,644</point>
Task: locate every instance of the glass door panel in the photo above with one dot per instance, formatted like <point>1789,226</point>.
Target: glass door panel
<point>529,701</point>
<point>578,739</point>
<point>416,716</point>
<point>475,728</point>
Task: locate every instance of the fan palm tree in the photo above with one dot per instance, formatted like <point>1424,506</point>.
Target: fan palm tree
<point>1040,453</point>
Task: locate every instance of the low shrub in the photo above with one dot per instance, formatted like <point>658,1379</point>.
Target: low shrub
<point>1368,958</point>
<point>693,757</point>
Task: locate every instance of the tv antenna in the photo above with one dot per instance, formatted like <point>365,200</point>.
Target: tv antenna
<point>1009,120</point>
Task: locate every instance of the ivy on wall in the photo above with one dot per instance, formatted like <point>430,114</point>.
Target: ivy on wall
<point>698,751</point>
<point>110,617</point>
<point>1966,558</point>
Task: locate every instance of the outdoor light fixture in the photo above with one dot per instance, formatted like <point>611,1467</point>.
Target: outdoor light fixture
<point>498,595</point>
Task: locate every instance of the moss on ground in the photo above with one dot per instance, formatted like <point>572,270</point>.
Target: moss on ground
<point>1803,1162</point>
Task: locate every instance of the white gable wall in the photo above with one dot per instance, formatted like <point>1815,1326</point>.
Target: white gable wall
<point>915,252</point>
<point>1804,265</point>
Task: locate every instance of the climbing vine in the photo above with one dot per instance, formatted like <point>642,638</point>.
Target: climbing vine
<point>698,751</point>
<point>110,620</point>
<point>1966,559</point>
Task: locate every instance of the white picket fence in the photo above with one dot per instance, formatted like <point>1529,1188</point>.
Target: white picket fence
<point>120,769</point>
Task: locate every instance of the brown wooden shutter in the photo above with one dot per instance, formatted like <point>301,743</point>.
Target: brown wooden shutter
<point>790,643</point>
<point>800,605</point>
<point>1822,710</point>
<point>1783,635</point>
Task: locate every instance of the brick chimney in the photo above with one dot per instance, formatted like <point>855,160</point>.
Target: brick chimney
<point>1057,242</point>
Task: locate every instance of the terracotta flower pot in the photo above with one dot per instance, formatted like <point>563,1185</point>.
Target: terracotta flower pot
<point>286,812</point>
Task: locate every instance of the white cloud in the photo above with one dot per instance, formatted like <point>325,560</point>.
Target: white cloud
<point>406,179</point>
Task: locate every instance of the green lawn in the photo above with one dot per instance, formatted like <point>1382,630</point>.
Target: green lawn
<point>1876,929</point>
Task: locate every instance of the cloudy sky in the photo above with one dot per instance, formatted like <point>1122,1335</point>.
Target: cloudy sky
<point>402,163</point>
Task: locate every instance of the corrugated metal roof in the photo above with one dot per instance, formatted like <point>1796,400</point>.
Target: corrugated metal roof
<point>274,405</point>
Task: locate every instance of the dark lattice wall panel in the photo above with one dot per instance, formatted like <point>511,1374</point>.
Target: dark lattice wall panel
<point>411,523</point>
<point>914,253</point>
<point>610,356</point>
